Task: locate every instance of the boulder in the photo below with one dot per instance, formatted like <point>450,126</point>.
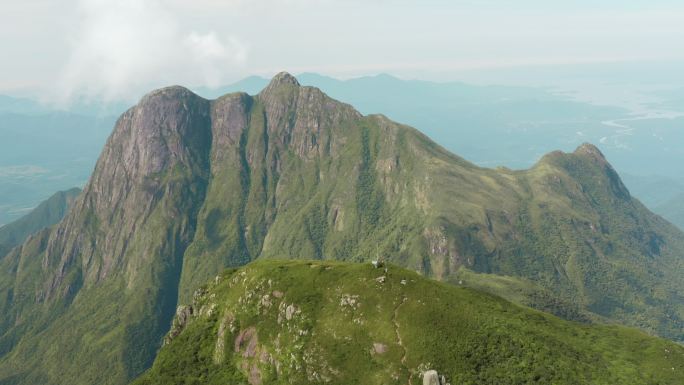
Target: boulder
<point>431,377</point>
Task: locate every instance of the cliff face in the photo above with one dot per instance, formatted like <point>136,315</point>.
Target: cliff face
<point>116,258</point>
<point>152,174</point>
<point>185,187</point>
<point>266,158</point>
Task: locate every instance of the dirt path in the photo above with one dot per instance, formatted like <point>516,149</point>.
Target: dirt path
<point>396,331</point>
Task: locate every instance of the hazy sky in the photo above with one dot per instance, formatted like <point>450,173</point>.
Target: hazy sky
<point>115,49</point>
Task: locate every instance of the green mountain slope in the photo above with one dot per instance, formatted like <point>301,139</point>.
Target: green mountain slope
<point>44,215</point>
<point>186,187</point>
<point>338,323</point>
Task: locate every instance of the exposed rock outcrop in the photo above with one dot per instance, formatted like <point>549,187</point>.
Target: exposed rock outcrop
<point>183,315</point>
<point>431,377</point>
<point>187,186</point>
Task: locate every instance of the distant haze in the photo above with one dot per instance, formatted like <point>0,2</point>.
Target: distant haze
<point>118,49</point>
<point>609,74</point>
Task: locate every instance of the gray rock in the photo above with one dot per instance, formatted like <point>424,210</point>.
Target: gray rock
<point>431,377</point>
<point>290,311</point>
<point>183,315</point>
<point>379,348</point>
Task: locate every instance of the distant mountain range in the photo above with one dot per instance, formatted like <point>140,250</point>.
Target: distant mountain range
<point>489,125</point>
<point>186,187</point>
<point>48,150</point>
<point>504,125</point>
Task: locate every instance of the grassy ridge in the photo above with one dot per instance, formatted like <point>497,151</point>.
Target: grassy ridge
<point>346,327</point>
<point>187,187</point>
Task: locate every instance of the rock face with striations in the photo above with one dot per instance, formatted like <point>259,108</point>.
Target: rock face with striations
<point>186,187</point>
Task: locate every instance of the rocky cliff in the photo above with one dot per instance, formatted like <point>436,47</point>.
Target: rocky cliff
<point>186,187</point>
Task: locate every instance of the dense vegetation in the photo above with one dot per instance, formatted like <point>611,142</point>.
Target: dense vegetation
<point>277,322</point>
<point>186,187</point>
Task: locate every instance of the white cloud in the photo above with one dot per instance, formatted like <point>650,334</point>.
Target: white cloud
<point>121,48</point>
<point>207,50</point>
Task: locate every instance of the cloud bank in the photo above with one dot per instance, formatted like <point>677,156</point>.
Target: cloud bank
<point>121,48</point>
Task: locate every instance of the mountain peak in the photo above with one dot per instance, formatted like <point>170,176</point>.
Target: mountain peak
<point>169,92</point>
<point>585,151</point>
<point>590,150</point>
<point>283,85</point>
<point>283,78</point>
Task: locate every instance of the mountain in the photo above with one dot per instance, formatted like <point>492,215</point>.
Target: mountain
<point>276,322</point>
<point>44,215</point>
<point>493,125</point>
<point>187,186</point>
<point>488,125</point>
<point>514,126</point>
